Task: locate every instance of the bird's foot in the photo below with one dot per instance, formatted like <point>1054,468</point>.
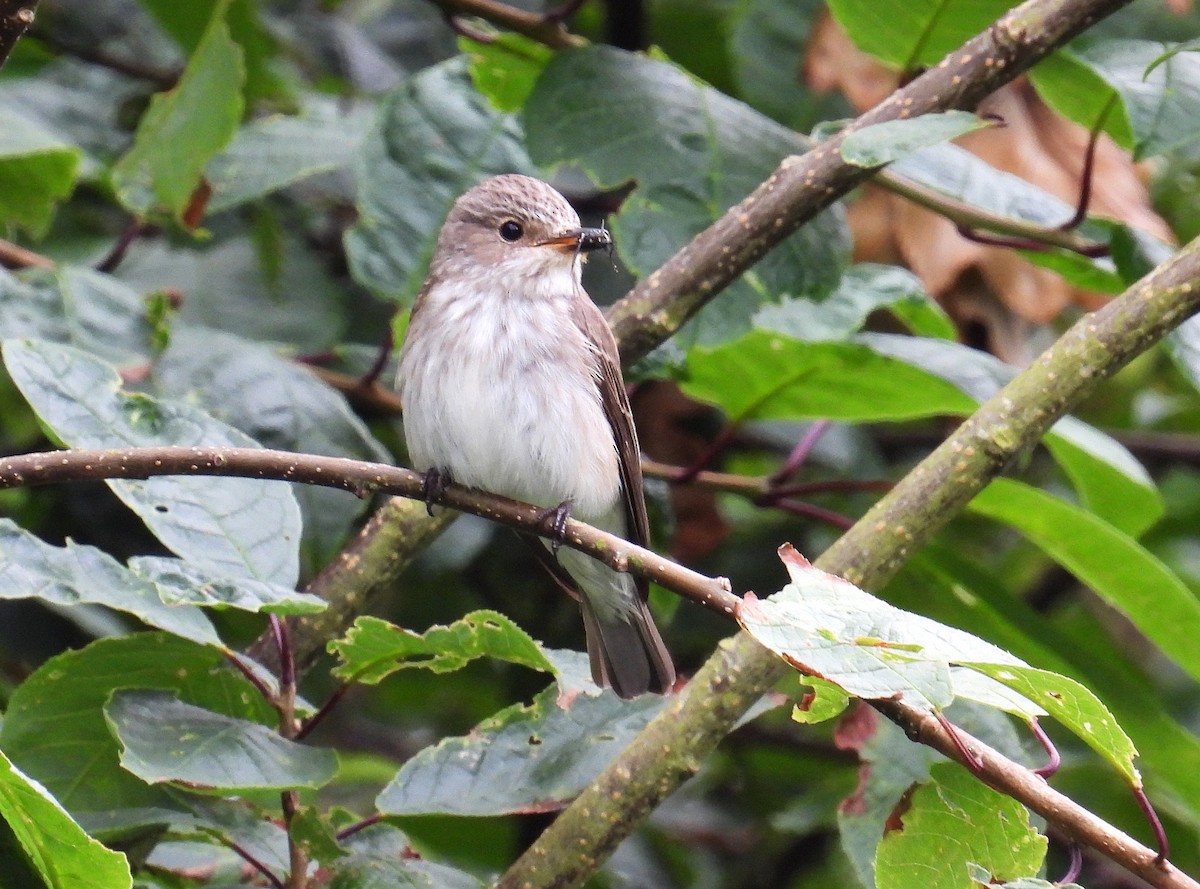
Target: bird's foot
<point>554,520</point>
<point>433,485</point>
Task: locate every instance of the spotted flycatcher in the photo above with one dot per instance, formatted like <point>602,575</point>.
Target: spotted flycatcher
<point>511,383</point>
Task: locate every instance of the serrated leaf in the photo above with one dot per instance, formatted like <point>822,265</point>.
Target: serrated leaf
<point>1115,566</point>
<point>952,822</point>
<point>165,740</point>
<point>505,68</point>
<point>374,648</point>
<point>62,854</point>
<point>184,127</point>
<point>37,170</point>
<point>1075,707</point>
<point>863,289</point>
<point>435,138</point>
<point>883,143</point>
<point>907,34</point>
<point>182,583</point>
<point>626,117</point>
<point>76,575</point>
<point>766,375</point>
<point>1159,107</point>
<point>523,759</point>
<point>238,527</point>
<point>274,152</point>
<point>54,728</point>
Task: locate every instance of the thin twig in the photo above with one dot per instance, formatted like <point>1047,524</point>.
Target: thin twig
<point>543,29</point>
<point>15,18</point>
<point>253,862</point>
<point>13,256</point>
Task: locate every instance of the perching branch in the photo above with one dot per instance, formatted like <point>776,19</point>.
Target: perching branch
<point>361,478</point>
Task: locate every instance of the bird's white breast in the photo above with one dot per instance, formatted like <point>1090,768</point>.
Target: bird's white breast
<point>501,389</point>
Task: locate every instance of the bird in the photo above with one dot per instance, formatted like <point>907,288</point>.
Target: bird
<point>510,382</point>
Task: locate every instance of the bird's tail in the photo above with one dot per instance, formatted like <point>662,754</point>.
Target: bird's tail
<point>624,646</point>
<point>626,651</point>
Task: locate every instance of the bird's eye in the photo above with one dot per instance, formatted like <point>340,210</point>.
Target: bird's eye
<point>511,231</point>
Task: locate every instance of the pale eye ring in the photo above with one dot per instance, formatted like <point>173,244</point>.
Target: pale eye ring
<point>511,230</point>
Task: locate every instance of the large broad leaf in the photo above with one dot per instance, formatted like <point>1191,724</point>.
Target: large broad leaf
<point>436,137</point>
<point>179,582</point>
<point>766,375</point>
<point>37,170</point>
<point>953,822</point>
<point>239,527</point>
<point>1109,479</point>
<point>506,68</point>
<point>910,33</point>
<point>1155,111</point>
<point>523,759</point>
<point>1115,566</point>
<point>374,648</point>
<point>280,405</point>
<point>76,575</point>
<point>828,628</point>
<point>54,728</point>
<point>370,870</point>
<point>164,740</point>
<point>274,152</point>
<point>60,852</point>
<point>693,152</point>
<point>79,306</point>
<point>767,45</point>
<point>863,289</point>
<point>184,127</point>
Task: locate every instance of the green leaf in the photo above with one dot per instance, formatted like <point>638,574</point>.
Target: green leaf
<point>863,289</point>
<point>184,127</point>
<point>79,306</point>
<point>953,822</point>
<point>164,740</point>
<point>62,854</point>
<point>767,45</point>
<point>435,138</point>
<point>281,405</point>
<point>825,701</point>
<point>54,728</point>
<point>188,24</point>
<point>692,152</point>
<point>1108,478</point>
<point>505,68</point>
<point>369,871</point>
<point>37,170</point>
<point>274,152</point>
<point>826,627</point>
<point>179,582</point>
<point>1075,707</point>
<point>883,143</point>
<point>237,527</point>
<point>77,575</point>
<point>523,759</point>
<point>764,375</point>
<point>907,34</point>
<point>1111,563</point>
<point>374,648</point>
<point>1159,109</point>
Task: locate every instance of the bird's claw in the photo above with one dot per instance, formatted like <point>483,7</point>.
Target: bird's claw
<point>554,520</point>
<point>433,485</point>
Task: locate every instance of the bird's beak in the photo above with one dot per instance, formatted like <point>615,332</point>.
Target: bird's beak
<point>580,240</point>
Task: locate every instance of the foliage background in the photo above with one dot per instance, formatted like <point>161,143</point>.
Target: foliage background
<point>332,138</point>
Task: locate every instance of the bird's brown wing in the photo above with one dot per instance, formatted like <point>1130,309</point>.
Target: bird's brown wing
<point>620,417</point>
